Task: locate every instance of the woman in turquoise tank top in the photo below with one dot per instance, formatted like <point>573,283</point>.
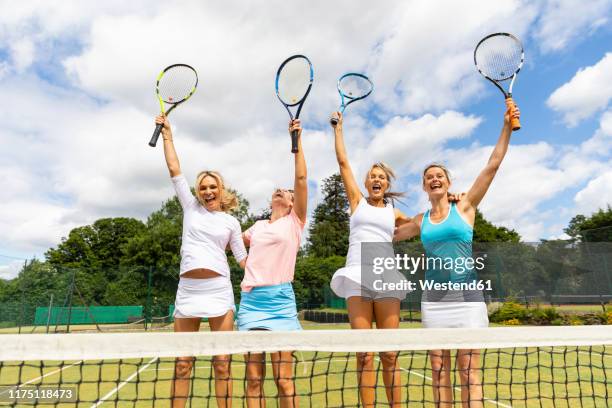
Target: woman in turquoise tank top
<point>446,230</point>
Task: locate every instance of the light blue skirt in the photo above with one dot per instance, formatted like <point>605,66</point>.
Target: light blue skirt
<point>268,308</point>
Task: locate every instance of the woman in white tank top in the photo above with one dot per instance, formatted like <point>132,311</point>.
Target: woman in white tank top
<point>373,219</point>
<point>205,289</point>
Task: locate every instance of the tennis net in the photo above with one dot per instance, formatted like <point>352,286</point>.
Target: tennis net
<point>516,367</point>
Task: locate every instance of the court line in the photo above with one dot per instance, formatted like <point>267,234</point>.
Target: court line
<point>123,384</point>
<point>45,375</point>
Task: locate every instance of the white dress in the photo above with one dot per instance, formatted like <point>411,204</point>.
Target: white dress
<point>371,228</point>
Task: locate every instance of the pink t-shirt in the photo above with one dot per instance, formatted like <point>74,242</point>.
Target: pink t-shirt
<point>274,247</point>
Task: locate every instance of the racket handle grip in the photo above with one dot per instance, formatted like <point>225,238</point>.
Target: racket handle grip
<point>514,122</point>
<point>155,136</point>
<point>294,141</point>
<point>333,121</point>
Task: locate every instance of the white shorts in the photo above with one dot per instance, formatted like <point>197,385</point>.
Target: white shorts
<point>212,297</point>
<point>454,314</point>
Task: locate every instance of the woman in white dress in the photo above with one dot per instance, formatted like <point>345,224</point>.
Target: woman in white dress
<point>373,220</point>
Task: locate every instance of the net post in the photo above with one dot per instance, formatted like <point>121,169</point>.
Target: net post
<point>22,308</point>
<point>148,312</point>
<point>70,300</point>
<point>49,313</point>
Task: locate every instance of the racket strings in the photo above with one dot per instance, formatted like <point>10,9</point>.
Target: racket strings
<point>177,83</point>
<point>294,80</point>
<point>355,86</point>
<point>499,57</point>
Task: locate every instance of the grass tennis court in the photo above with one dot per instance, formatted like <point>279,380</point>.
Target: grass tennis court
<point>519,377</point>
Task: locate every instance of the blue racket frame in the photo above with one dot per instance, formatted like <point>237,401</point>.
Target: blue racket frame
<point>300,103</point>
<point>344,97</point>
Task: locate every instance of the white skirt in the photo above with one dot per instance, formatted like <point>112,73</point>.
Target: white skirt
<point>212,297</point>
<point>454,314</point>
<point>346,283</point>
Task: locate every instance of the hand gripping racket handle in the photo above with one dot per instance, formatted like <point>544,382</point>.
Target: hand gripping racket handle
<point>294,141</point>
<point>333,121</point>
<point>514,122</point>
<point>155,136</point>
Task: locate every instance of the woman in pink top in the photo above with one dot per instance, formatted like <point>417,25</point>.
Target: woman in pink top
<point>267,299</point>
<point>204,289</point>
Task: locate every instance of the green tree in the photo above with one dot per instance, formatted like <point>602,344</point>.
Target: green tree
<point>595,228</point>
<point>312,276</point>
<point>485,231</point>
<point>94,252</point>
<point>99,245</point>
<point>328,234</point>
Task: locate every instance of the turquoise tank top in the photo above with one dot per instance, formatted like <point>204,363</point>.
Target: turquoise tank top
<point>447,245</point>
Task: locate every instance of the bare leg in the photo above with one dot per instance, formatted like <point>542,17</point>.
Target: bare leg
<point>387,313</point>
<point>282,367</point>
<point>255,376</point>
<point>183,365</point>
<point>441,381</point>
<point>361,313</point>
<point>468,361</point>
<point>222,363</point>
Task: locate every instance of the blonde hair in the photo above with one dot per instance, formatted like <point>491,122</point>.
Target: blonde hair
<point>440,166</point>
<point>228,199</point>
<point>390,176</point>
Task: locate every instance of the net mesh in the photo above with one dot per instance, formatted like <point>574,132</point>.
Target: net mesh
<point>499,56</point>
<point>294,80</point>
<point>177,83</point>
<point>510,367</point>
<point>355,86</point>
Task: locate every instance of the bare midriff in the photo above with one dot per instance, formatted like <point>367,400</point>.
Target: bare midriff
<point>200,273</point>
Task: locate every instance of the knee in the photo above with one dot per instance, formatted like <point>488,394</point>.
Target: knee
<point>222,367</point>
<point>182,368</point>
<point>365,359</point>
<point>388,359</point>
<point>254,386</point>
<point>469,375</point>
<point>285,387</point>
<point>437,363</point>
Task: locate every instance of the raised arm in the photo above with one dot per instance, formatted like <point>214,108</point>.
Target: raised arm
<point>350,185</point>
<point>169,153</point>
<point>300,183</point>
<point>484,179</point>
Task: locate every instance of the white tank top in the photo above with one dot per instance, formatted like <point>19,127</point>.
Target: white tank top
<point>369,224</point>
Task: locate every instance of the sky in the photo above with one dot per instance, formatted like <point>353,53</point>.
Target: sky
<point>78,79</point>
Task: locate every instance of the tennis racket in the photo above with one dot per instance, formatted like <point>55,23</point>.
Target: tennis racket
<point>352,87</point>
<point>293,82</point>
<point>499,57</point>
<point>175,84</point>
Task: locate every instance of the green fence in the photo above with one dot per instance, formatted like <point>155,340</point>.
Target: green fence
<point>87,315</point>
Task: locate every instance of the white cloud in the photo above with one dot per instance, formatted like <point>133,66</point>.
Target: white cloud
<point>10,270</point>
<point>588,92</point>
<point>425,61</point>
<point>412,143</point>
<point>563,21</point>
<point>597,194</point>
<point>22,53</point>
